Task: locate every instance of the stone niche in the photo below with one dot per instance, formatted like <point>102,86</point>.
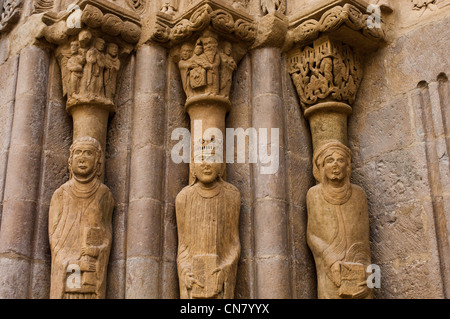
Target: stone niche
<point>358,116</point>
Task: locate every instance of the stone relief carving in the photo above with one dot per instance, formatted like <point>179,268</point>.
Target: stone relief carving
<point>207,219</point>
<point>338,225</point>
<point>204,69</point>
<point>10,11</point>
<point>329,69</point>
<point>80,228</point>
<point>269,6</point>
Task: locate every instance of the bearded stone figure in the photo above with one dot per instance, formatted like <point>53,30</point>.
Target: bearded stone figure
<point>80,227</point>
<point>207,213</point>
<point>338,225</point>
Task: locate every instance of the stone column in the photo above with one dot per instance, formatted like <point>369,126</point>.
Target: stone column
<point>270,209</point>
<point>146,174</point>
<point>207,43</point>
<point>22,178</point>
<point>90,51</point>
<point>326,69</point>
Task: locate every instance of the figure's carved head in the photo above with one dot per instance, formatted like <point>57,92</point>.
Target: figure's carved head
<point>84,37</point>
<point>74,46</point>
<point>186,51</point>
<point>209,41</point>
<point>112,49</point>
<point>227,48</point>
<point>85,161</point>
<point>99,44</point>
<point>207,170</point>
<point>332,162</point>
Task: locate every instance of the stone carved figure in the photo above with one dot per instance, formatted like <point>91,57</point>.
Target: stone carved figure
<point>92,81</point>
<point>80,229</point>
<point>75,66</point>
<point>227,67</point>
<point>185,66</point>
<point>338,225</point>
<point>207,213</point>
<point>112,66</point>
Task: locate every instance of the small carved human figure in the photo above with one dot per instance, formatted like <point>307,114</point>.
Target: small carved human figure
<point>112,66</point>
<point>208,234</point>
<point>92,80</point>
<point>80,229</point>
<point>184,65</point>
<point>227,67</point>
<point>338,225</point>
<point>75,66</point>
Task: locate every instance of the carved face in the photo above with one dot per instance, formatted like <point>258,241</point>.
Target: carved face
<point>186,52</point>
<point>84,160</point>
<point>207,172</point>
<point>74,46</point>
<point>335,166</point>
<point>113,49</point>
<point>198,49</point>
<point>99,44</point>
<point>227,48</point>
<point>210,45</point>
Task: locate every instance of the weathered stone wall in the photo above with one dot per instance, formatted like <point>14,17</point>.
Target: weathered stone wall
<point>399,133</point>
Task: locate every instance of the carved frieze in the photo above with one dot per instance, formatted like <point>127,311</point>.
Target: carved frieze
<point>10,11</point>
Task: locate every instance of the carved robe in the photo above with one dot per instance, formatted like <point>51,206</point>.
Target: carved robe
<point>79,219</point>
<point>338,236</point>
<point>208,238</point>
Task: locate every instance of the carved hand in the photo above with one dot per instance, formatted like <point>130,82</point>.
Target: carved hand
<point>189,280</point>
<point>88,265</point>
<point>336,273</point>
<point>220,279</point>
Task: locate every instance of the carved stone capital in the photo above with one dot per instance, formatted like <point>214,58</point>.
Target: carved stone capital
<point>92,38</point>
<point>10,11</point>
<point>326,71</point>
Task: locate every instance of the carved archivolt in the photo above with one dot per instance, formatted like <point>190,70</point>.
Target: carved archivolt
<point>332,20</point>
<point>220,20</point>
<point>10,13</point>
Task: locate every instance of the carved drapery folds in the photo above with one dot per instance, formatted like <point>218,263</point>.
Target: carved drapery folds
<point>10,11</point>
<point>326,69</point>
<point>91,43</point>
<point>207,43</point>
